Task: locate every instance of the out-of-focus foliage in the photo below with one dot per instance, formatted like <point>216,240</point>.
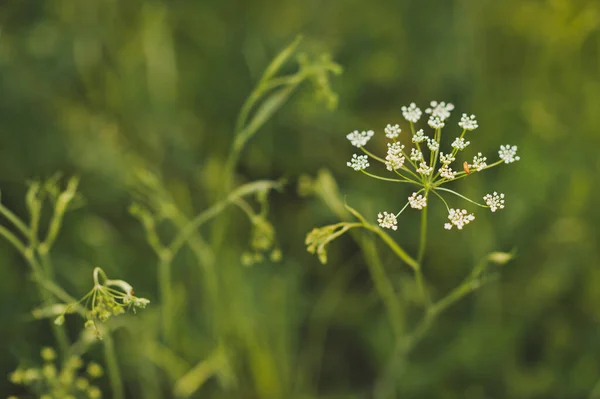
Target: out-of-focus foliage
<point>102,88</point>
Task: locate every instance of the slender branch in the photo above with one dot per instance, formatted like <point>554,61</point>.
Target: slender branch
<point>14,219</point>
<point>387,178</point>
<point>461,196</point>
<point>393,246</point>
<point>114,374</point>
<point>217,208</point>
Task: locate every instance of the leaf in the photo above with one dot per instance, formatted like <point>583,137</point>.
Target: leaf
<point>280,59</point>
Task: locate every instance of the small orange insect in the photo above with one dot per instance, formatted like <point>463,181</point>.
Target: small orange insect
<point>466,168</point>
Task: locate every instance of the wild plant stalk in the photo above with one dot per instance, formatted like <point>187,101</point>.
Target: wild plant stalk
<point>269,95</point>
<point>55,300</point>
<point>413,169</point>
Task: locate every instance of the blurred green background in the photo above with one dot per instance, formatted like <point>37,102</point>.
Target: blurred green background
<point>103,87</point>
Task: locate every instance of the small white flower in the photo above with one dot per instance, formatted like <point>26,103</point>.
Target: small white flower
<point>391,132</point>
<point>458,218</point>
<point>417,201</point>
<point>395,157</point>
<point>433,145</point>
<point>468,122</point>
<point>424,169</point>
<point>358,162</point>
<point>460,143</point>
<point>447,172</point>
<point>411,113</point>
<point>435,122</point>
<point>446,159</point>
<point>495,201</point>
<point>387,220</point>
<point>359,139</point>
<point>441,110</point>
<point>419,136</point>
<point>478,162</point>
<point>508,154</point>
<point>416,155</point>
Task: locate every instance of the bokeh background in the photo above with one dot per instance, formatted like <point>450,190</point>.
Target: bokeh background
<point>103,87</point>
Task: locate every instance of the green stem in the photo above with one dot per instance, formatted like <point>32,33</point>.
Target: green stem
<point>422,235</point>
<point>461,196</point>
<point>393,246</point>
<point>387,178</point>
<point>14,220</point>
<point>165,291</point>
<point>114,374</point>
<point>384,286</point>
<point>422,245</point>
<point>217,208</point>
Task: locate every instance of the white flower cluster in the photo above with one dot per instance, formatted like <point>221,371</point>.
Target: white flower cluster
<point>495,201</point>
<point>419,136</point>
<point>416,155</point>
<point>468,122</point>
<point>479,162</point>
<point>387,220</point>
<point>411,113</point>
<point>392,132</point>
<point>424,169</point>
<point>508,154</point>
<point>433,145</point>
<point>460,143</point>
<point>395,158</point>
<point>446,159</point>
<point>447,173</point>
<point>458,218</point>
<point>360,139</point>
<point>435,122</point>
<point>417,201</point>
<point>440,110</point>
<point>358,162</point>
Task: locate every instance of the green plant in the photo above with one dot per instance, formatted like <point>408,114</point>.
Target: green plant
<point>56,302</point>
<point>414,169</point>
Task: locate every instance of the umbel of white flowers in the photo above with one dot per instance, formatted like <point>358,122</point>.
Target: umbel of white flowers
<point>424,166</point>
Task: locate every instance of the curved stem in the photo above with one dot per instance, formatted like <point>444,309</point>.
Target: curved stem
<point>461,196</point>
<point>443,200</point>
<point>369,153</point>
<point>217,208</point>
<point>114,374</point>
<point>388,178</point>
<point>14,219</point>
<point>393,246</point>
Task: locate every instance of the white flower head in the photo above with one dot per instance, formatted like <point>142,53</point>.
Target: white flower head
<point>424,169</point>
<point>360,139</point>
<point>433,145</point>
<point>419,136</point>
<point>458,218</point>
<point>387,220</point>
<point>447,172</point>
<point>468,122</point>
<point>417,201</point>
<point>508,154</point>
<point>391,132</point>
<point>358,162</point>
<point>441,110</point>
<point>435,122</point>
<point>395,157</point>
<point>479,162</point>
<point>495,201</point>
<point>416,155</point>
<point>411,113</point>
<point>446,159</point>
<point>460,143</point>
